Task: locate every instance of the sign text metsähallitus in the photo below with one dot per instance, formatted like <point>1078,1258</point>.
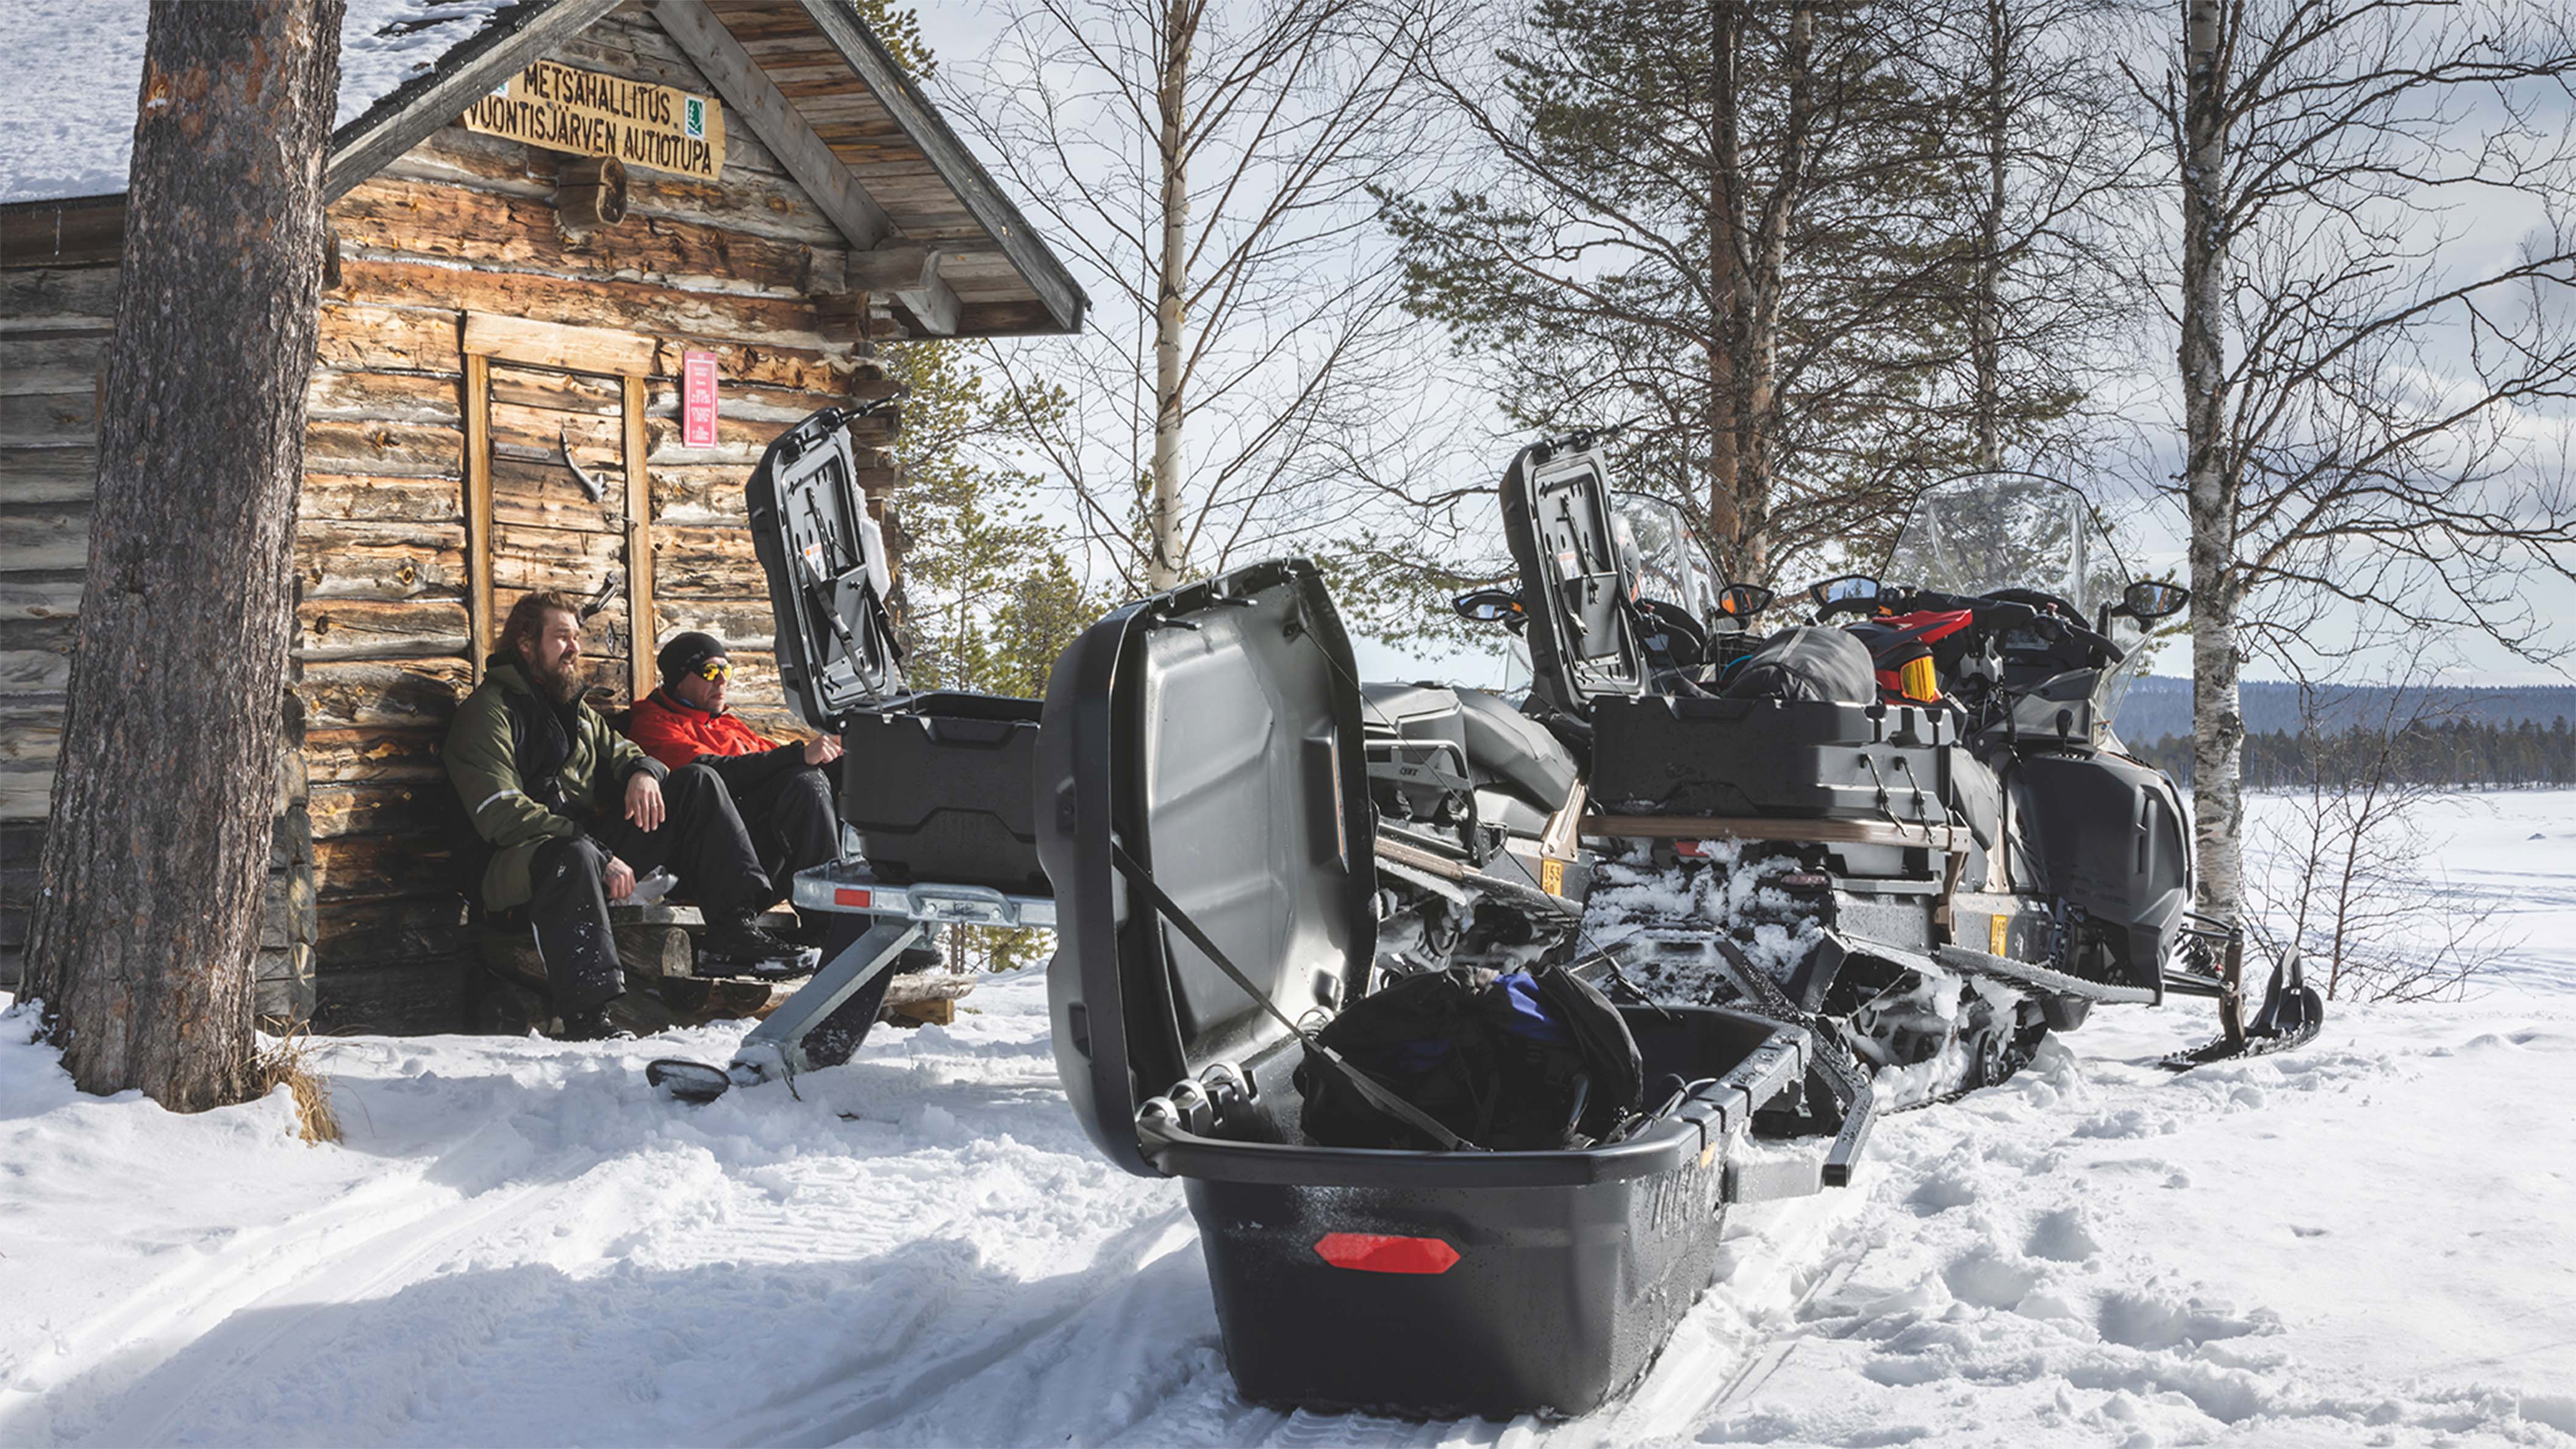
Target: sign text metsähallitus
<point>593,114</point>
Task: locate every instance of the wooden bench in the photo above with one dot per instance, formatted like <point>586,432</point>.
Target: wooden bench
<point>656,945</point>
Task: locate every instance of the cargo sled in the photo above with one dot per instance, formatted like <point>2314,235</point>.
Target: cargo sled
<point>1204,810</point>
<point>936,784</point>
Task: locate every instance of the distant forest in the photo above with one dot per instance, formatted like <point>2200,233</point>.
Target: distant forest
<point>2157,706</point>
<point>2471,753</point>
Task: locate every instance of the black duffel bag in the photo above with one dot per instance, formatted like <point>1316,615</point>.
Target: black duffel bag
<point>1529,1062</point>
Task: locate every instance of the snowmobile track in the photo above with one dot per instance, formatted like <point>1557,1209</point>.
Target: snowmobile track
<point>822,1413</point>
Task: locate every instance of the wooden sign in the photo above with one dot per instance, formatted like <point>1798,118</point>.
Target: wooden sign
<point>589,113</point>
<point>698,400</point>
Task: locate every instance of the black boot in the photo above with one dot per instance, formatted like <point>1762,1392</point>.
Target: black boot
<point>589,1023</point>
<point>738,943</point>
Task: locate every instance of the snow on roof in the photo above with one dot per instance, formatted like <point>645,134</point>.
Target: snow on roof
<point>76,68</point>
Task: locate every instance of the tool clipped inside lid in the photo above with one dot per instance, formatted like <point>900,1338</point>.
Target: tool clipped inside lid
<point>1578,576</point>
<point>1201,782</point>
<point>829,575</point>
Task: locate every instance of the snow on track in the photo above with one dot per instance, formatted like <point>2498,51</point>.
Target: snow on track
<point>2365,1242</point>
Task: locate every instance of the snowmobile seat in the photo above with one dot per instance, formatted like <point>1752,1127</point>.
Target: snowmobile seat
<point>1500,744</point>
<point>1516,748</point>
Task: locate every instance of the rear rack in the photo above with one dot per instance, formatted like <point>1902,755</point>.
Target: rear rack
<point>848,886</point>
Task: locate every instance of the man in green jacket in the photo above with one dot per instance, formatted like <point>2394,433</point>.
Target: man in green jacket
<point>573,812</point>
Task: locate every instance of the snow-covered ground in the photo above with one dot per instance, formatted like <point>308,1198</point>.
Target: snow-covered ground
<point>2372,1241</point>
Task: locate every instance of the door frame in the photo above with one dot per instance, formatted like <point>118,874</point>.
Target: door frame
<point>626,356</point>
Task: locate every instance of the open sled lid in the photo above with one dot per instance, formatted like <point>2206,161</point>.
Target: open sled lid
<point>1212,736</point>
<point>1563,529</point>
<point>829,576</point>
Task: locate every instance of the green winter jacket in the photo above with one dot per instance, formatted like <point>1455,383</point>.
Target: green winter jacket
<point>485,759</point>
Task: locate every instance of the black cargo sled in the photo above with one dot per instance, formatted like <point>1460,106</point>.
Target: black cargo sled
<point>1204,810</point>
<point>936,784</point>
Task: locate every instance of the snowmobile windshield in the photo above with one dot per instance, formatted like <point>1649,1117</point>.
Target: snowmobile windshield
<point>1668,562</point>
<point>1990,532</point>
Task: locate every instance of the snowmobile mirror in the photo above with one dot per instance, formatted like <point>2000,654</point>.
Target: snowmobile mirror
<point>1743,601</point>
<point>1849,586</point>
<point>2148,600</point>
<point>1488,606</point>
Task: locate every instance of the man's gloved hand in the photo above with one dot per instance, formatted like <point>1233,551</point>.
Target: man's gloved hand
<point>822,749</point>
<point>643,804</point>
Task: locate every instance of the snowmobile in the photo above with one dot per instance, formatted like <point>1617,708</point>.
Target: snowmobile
<point>1917,827</point>
<point>1480,857</point>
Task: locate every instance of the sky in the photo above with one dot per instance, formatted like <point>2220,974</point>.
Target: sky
<point>960,31</point>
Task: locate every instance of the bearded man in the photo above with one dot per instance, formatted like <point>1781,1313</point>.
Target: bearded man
<point>572,812</point>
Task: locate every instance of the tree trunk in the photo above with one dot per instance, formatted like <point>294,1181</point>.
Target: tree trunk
<point>1167,566</point>
<point>148,919</point>
<point>1758,368</point>
<point>1725,330</point>
<point>2217,720</point>
<point>1985,322</point>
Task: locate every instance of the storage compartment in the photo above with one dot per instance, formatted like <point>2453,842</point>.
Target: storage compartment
<point>939,790</point>
<point>1442,1284</point>
<point>1808,759</point>
<point>936,784</point>
<point>1203,784</point>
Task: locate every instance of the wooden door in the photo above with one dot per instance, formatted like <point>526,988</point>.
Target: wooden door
<point>557,492</point>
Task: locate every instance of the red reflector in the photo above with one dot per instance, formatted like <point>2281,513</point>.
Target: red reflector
<point>842,896</point>
<point>1690,849</point>
<point>1378,1253</point>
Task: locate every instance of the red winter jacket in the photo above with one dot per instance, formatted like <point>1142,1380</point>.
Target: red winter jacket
<point>676,733</point>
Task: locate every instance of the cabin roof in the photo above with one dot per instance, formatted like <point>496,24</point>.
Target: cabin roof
<point>807,75</point>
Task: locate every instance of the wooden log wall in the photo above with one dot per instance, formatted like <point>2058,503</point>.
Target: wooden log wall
<point>55,325</point>
<point>465,224</point>
<point>54,328</point>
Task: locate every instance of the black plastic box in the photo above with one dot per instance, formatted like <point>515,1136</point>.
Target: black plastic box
<point>1658,755</point>
<point>1212,735</point>
<point>937,784</point>
<point>939,790</point>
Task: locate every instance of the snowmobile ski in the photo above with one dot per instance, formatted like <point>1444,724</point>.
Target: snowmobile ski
<point>2290,1016</point>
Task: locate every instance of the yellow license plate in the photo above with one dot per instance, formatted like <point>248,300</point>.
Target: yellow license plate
<point>1995,935</point>
<point>1551,877</point>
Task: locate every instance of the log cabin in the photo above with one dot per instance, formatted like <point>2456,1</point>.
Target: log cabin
<point>556,225</point>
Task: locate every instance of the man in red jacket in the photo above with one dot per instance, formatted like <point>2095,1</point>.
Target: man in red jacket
<point>782,791</point>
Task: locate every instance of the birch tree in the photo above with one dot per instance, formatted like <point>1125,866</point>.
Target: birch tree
<point>1205,165</point>
<point>2365,392</point>
<point>145,928</point>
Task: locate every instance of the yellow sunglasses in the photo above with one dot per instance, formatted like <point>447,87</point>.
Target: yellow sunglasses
<point>714,669</point>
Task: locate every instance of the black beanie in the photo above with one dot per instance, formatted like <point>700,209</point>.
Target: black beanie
<point>685,652</point>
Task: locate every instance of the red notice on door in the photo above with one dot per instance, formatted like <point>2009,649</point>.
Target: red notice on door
<point>698,400</point>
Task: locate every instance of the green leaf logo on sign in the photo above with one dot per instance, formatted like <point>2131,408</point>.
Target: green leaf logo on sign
<point>696,114</point>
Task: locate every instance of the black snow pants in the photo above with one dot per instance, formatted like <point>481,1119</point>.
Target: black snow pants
<point>702,841</point>
<point>794,818</point>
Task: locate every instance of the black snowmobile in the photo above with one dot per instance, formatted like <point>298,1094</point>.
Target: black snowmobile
<point>1918,827</point>
<point>1480,857</point>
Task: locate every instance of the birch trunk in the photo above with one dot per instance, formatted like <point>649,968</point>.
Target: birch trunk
<point>1725,517</point>
<point>1759,369</point>
<point>2217,719</point>
<point>1168,565</point>
<point>144,931</point>
<point>1985,322</point>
